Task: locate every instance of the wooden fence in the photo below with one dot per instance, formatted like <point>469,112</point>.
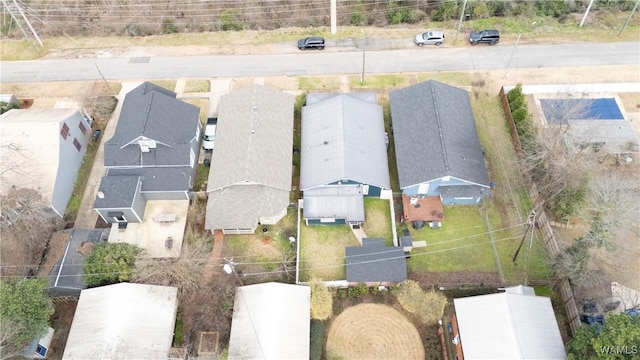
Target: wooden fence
<point>542,222</point>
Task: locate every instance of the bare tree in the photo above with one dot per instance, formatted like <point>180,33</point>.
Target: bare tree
<point>613,202</point>
<point>185,272</point>
<point>26,224</point>
<point>9,333</point>
<point>557,162</point>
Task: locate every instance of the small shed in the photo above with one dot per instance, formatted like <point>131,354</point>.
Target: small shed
<point>375,263</point>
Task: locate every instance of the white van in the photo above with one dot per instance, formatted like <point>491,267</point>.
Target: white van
<point>209,134</point>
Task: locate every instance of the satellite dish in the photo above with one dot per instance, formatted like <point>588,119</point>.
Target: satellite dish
<point>227,268</point>
<point>292,239</point>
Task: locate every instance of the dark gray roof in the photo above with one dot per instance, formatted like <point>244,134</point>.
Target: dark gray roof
<point>463,191</point>
<point>406,240</point>
<point>158,178</point>
<point>435,134</point>
<point>119,192</point>
<point>154,113</point>
<point>375,262</point>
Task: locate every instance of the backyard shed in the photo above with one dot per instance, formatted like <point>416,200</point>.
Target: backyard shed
<point>375,263</point>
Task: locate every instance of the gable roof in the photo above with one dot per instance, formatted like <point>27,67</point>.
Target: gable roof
<point>34,151</point>
<point>522,327</point>
<point>254,139</point>
<point>334,202</point>
<point>435,135</point>
<point>123,321</point>
<point>343,138</point>
<point>150,112</point>
<point>375,262</point>
<point>271,321</point>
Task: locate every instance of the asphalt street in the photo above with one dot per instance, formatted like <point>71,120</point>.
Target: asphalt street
<point>330,61</point>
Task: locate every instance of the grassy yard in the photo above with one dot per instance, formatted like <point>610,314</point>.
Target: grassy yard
<point>197,85</point>
<point>378,219</point>
<point>322,251</point>
<point>319,83</point>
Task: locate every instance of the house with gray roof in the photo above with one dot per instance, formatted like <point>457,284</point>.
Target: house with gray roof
<point>375,263</point>
<point>343,156</point>
<point>151,156</point>
<point>437,147</point>
<point>251,165</point>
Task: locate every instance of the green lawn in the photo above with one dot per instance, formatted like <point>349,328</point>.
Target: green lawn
<point>461,244</point>
<point>322,251</point>
<point>197,85</point>
<point>378,219</point>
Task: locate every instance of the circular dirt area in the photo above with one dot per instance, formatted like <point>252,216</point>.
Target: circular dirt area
<point>373,331</point>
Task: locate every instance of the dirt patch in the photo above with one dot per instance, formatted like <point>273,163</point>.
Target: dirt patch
<point>55,251</point>
<point>65,309</point>
<point>85,248</point>
<point>373,331</point>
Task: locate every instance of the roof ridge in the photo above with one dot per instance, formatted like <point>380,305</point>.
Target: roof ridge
<point>438,122</point>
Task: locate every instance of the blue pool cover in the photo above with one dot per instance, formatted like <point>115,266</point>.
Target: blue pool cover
<point>589,109</point>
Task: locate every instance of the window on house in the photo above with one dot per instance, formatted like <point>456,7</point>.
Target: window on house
<point>64,131</point>
<point>82,128</point>
<point>76,143</point>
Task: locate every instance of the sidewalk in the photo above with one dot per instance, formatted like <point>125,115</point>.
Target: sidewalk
<point>87,217</point>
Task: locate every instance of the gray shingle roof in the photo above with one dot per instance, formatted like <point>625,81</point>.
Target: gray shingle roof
<point>375,262</point>
<point>338,202</point>
<point>343,138</point>
<point>158,178</point>
<point>254,139</point>
<point>240,206</point>
<point>154,113</point>
<point>435,134</point>
<point>119,192</point>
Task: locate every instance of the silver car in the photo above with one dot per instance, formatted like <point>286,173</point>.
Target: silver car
<point>430,38</point>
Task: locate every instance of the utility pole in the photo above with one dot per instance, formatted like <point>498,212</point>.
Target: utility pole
<point>364,44</point>
<point>530,224</point>
<point>584,17</point>
<point>464,7</point>
<point>17,15</point>
<point>630,16</point>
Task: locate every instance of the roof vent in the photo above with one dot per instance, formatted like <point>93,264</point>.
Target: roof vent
<point>100,194</point>
<point>253,131</point>
<point>144,148</point>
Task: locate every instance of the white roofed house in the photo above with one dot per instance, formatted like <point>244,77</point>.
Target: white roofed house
<point>343,156</point>
<point>515,324</point>
<point>271,321</point>
<point>123,321</point>
<point>251,164</point>
<point>42,149</point>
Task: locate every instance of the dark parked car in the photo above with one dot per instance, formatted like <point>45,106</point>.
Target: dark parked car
<point>490,37</point>
<point>312,42</point>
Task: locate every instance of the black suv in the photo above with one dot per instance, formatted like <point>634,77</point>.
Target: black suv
<point>490,37</point>
<point>312,42</point>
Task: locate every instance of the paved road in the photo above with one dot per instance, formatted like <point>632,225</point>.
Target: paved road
<point>331,61</point>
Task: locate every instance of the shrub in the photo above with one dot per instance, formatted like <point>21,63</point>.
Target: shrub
<point>354,294</point>
<point>357,15</point>
<point>132,30</point>
<point>110,263</point>
<point>169,26</point>
<point>569,201</point>
<point>231,20</point>
<point>321,300</point>
<point>341,293</point>
<point>363,289</point>
<point>428,306</point>
<point>397,13</point>
<point>447,11</point>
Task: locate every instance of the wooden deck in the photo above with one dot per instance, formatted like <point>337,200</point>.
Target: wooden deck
<point>426,208</point>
